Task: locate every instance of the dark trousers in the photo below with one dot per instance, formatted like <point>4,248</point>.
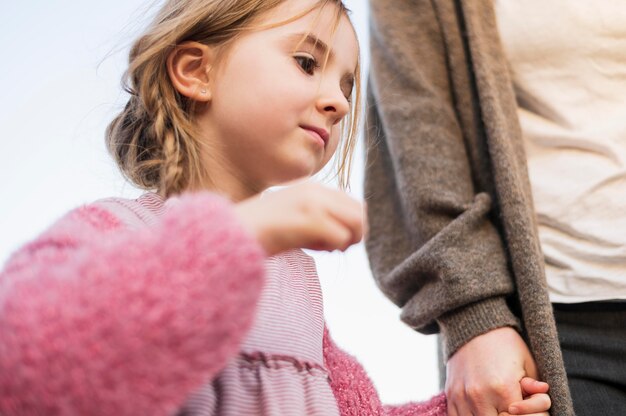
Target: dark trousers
<point>593,341</point>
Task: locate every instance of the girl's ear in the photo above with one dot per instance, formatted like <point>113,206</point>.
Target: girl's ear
<point>188,66</point>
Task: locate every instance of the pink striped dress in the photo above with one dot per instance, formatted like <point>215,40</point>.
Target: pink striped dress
<point>146,307</point>
<point>279,369</point>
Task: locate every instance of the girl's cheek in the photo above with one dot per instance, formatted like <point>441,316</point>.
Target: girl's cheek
<point>334,143</point>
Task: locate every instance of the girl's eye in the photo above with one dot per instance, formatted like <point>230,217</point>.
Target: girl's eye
<point>307,63</point>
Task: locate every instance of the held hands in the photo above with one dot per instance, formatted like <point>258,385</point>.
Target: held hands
<point>307,215</point>
<point>536,400</point>
<point>494,374</point>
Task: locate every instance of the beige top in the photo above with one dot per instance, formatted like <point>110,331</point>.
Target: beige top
<point>569,76</point>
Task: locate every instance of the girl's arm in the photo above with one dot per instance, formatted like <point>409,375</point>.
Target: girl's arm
<point>97,319</point>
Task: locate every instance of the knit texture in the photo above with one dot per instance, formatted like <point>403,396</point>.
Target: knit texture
<point>356,394</point>
<point>453,237</point>
<point>96,319</point>
<point>131,314</point>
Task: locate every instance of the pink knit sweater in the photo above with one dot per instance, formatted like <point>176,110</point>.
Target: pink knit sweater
<point>102,317</point>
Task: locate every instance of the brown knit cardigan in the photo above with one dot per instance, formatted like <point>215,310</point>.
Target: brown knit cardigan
<point>453,238</point>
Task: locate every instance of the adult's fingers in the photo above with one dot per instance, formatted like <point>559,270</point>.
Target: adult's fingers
<point>452,410</point>
<point>461,405</point>
<point>531,369</point>
<point>492,399</point>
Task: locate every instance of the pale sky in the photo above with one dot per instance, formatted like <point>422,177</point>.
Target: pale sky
<point>59,88</point>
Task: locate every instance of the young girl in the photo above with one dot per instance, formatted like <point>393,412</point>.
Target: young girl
<point>196,299</point>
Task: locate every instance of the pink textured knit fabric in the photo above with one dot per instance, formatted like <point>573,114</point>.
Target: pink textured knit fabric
<point>356,395</point>
<point>143,311</point>
<point>100,319</point>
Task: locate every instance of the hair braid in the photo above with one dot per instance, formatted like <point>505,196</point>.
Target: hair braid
<point>162,130</point>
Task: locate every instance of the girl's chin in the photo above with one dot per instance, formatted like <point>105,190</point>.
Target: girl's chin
<point>294,175</point>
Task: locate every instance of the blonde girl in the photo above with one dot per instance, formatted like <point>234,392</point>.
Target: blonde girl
<point>196,298</point>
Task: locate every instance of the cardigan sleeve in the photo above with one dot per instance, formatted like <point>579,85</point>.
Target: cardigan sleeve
<point>100,319</point>
<point>433,246</point>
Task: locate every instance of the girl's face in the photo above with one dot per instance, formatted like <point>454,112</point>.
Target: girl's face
<point>275,107</point>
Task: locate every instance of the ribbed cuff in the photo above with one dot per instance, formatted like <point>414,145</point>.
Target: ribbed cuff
<point>463,324</point>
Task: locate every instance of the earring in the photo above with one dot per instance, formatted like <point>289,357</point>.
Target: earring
<point>203,91</point>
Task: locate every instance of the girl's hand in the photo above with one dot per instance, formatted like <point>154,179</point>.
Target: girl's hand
<point>536,400</point>
<point>307,215</point>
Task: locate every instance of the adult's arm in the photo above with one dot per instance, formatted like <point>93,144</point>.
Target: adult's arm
<point>433,246</point>
<point>98,319</point>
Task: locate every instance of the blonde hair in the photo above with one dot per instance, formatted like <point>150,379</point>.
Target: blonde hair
<point>153,140</point>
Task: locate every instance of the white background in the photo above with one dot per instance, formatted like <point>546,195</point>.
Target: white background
<point>62,61</point>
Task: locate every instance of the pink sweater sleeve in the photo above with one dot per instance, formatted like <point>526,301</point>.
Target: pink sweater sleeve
<point>97,319</point>
<point>356,395</point>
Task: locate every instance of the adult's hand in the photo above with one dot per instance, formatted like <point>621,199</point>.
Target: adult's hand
<point>483,376</point>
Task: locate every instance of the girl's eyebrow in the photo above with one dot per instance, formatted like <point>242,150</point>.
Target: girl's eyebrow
<point>315,42</point>
<point>321,47</point>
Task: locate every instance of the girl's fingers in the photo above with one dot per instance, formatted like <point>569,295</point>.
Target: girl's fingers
<point>536,403</point>
<point>525,414</point>
<point>329,234</point>
<point>531,386</point>
<point>349,213</point>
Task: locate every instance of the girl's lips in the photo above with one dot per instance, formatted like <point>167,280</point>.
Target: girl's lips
<point>319,132</point>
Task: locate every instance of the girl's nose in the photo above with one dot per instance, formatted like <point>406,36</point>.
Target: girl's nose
<point>333,104</point>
